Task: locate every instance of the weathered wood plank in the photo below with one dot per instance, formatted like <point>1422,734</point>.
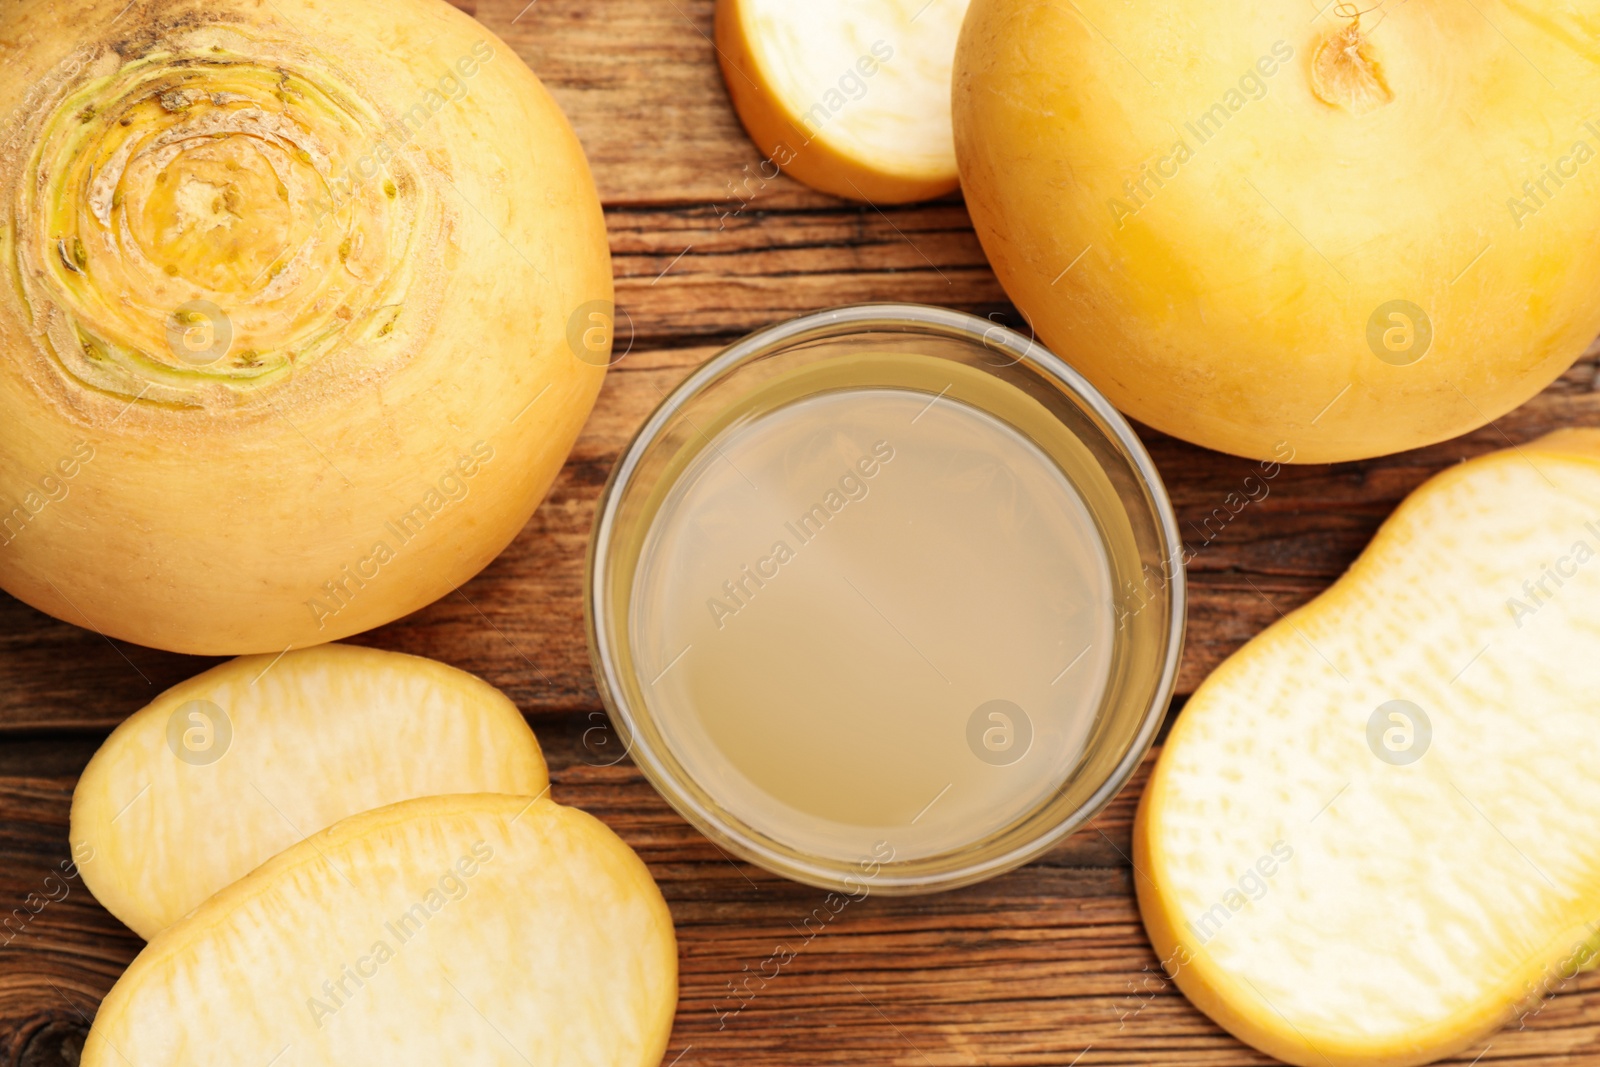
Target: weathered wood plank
<point>520,622</point>
<point>695,273</point>
<point>1048,965</point>
<point>1031,968</point>
<point>639,80</point>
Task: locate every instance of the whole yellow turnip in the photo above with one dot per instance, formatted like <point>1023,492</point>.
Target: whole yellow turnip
<point>304,304</point>
<point>1273,229</point>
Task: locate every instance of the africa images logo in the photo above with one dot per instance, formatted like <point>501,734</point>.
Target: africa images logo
<point>741,589</point>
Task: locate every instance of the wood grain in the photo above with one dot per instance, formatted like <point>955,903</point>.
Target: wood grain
<point>1042,966</point>
<point>1047,965</point>
<point>520,622</point>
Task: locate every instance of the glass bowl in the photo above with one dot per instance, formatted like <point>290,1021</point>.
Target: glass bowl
<point>942,354</point>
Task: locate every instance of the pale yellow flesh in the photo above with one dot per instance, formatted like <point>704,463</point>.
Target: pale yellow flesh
<point>535,936</point>
<point>1421,905</point>
<point>317,735</point>
<point>858,87</point>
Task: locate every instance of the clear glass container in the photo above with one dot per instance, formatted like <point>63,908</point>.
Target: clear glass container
<point>989,376</point>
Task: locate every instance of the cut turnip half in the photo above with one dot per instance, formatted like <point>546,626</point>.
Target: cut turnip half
<point>1373,836</point>
<point>849,96</point>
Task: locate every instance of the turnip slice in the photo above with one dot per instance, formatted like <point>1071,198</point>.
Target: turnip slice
<point>484,929</point>
<point>222,771</point>
<point>849,96</point>
<point>1373,836</point>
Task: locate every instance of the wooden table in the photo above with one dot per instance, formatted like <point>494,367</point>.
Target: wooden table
<point>1047,965</point>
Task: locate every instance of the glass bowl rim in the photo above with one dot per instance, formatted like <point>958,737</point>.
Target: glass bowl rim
<point>819,325</point>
